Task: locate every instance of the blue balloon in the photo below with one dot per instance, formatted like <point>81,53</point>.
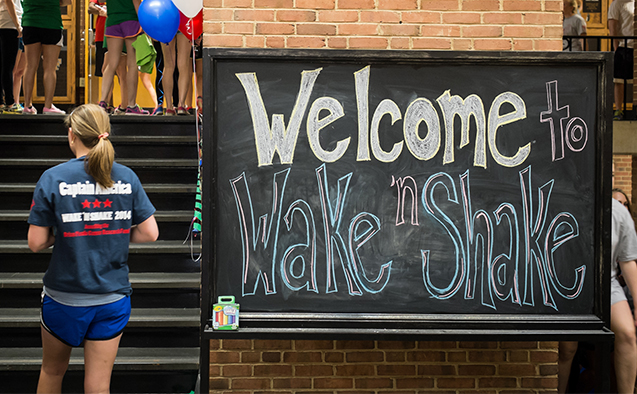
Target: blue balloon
<point>159,19</point>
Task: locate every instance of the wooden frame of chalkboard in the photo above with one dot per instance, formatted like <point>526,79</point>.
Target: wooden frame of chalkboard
<point>509,222</point>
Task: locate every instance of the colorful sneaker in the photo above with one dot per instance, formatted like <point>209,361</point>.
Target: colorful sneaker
<point>119,111</point>
<point>170,112</point>
<point>136,110</point>
<point>53,111</point>
<point>157,112</point>
<point>618,115</point>
<point>190,110</point>
<point>2,108</point>
<point>182,111</point>
<point>104,106</point>
<point>16,108</point>
<point>30,110</point>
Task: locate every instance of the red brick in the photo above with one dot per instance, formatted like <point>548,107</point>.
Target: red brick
<point>519,345</point>
<point>502,18</point>
<point>544,356</point>
<point>355,370</point>
<point>397,4</point>
<point>292,383</point>
<point>456,383</point>
<point>510,369</point>
<point>380,17</point>
<point>456,357</point>
<point>315,29</point>
<point>399,43</point>
<point>218,357</point>
<point>337,16</point>
<point>455,18</point>
<point>522,5</point>
<point>476,370</point>
<point>436,369</point>
<point>437,345</point>
<point>399,30</point>
<point>316,4</point>
<point>480,5</point>
<point>414,383</point>
<point>313,345</point>
<point>215,344</point>
<point>337,43</point>
<point>313,370</point>
<point>212,3</point>
<point>275,42</point>
<point>272,370</point>
<point>486,44</point>
<point>239,28</point>
<point>426,356</point>
<point>214,370</point>
<point>520,391</point>
<point>546,383</point>
<point>237,3</point>
<point>395,357</point>
<point>358,29</point>
<point>247,384</point>
<point>271,357</point>
<point>281,29</point>
<point>368,42</point>
<point>306,42</point>
<point>273,3</point>
<point>302,357</point>
<point>461,44</point>
<point>497,382</point>
<point>334,357</point>
<point>355,4</point>
<point>542,18</point>
<point>421,17</point>
<point>518,355</point>
<point>251,15</point>
<point>295,16</point>
<point>548,370</point>
<point>487,356</point>
<point>237,370</point>
<point>431,43</point>
<point>363,357</point>
<point>213,28</point>
<point>333,383</point>
<point>478,345</point>
<point>373,383</point>
<point>396,370</point>
<point>440,31</point>
<point>250,357</point>
<point>482,31</point>
<point>555,5</point>
<point>219,384</point>
<point>524,31</point>
<point>553,32</point>
<point>439,5</point>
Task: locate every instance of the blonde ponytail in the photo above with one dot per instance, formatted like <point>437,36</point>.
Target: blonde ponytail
<point>91,125</point>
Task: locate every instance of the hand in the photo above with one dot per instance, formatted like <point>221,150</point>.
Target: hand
<point>19,31</point>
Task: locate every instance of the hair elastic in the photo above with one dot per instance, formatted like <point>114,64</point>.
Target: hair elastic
<point>104,135</point>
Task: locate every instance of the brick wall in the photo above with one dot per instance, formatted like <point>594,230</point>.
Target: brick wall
<point>247,366</point>
<point>239,366</point>
<point>624,173</point>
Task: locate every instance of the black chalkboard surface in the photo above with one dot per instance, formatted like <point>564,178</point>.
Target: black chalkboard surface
<point>352,189</point>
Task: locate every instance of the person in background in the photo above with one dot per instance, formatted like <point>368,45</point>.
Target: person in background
<point>18,74</point>
<point>182,59</point>
<point>86,294</point>
<point>122,28</point>
<point>42,35</point>
<point>619,195</point>
<point>621,14</point>
<point>573,25</point>
<point>10,33</point>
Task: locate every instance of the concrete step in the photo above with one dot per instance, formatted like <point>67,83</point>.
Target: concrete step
<point>138,280</point>
<point>140,317</point>
<point>157,247</point>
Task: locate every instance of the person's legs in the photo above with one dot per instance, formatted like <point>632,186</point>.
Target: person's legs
<point>184,63</point>
<point>50,55</point>
<point>111,61</point>
<point>567,351</point>
<point>8,52</point>
<point>169,69</point>
<point>131,73</point>
<point>122,78</point>
<point>99,357</point>
<point>619,96</point>
<point>18,73</point>
<point>145,78</point>
<point>33,52</point>
<point>623,326</point>
<point>55,361</point>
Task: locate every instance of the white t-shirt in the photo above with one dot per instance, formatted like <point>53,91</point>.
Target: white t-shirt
<point>574,25</point>
<point>5,18</point>
<point>623,11</point>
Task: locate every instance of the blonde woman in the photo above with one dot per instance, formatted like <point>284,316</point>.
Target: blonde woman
<point>90,208</point>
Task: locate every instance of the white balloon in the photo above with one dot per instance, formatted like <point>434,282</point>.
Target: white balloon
<point>190,8</point>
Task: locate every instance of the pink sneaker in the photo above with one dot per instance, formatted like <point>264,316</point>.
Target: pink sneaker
<point>53,111</point>
<point>30,110</point>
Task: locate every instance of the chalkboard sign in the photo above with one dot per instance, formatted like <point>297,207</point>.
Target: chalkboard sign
<point>409,190</point>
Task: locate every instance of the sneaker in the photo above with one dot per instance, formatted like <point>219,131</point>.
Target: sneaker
<point>104,106</point>
<point>30,110</point>
<point>53,111</point>
<point>136,110</point>
<point>618,115</point>
<point>182,111</point>
<point>157,112</point>
<point>119,111</point>
<point>16,108</point>
<point>2,108</point>
<point>190,110</point>
<point>170,112</point>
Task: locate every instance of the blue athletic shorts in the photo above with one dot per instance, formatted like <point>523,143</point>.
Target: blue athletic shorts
<point>73,324</point>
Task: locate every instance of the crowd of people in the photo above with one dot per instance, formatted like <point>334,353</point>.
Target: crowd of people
<point>31,30</point>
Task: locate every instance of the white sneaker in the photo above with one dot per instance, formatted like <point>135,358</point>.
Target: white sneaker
<point>53,111</point>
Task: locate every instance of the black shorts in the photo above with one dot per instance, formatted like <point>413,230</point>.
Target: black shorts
<point>35,35</point>
<point>99,57</point>
<point>623,64</point>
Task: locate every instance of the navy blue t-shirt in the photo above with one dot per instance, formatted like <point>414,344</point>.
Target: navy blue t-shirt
<point>93,226</point>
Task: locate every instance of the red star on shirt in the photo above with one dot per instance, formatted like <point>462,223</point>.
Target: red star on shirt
<point>86,204</point>
<point>97,204</point>
<point>107,203</point>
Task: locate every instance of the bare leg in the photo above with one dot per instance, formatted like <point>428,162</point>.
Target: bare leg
<point>99,357</point>
<point>122,77</point>
<point>131,72</point>
<point>169,70</point>
<point>149,87</point>
<point>623,326</point>
<point>111,63</point>
<point>50,53</point>
<point>184,63</point>
<point>567,352</point>
<point>18,73</point>
<point>33,52</point>
<point>55,361</point>
<point>619,96</point>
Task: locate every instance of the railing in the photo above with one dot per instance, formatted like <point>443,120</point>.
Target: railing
<point>594,43</point>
